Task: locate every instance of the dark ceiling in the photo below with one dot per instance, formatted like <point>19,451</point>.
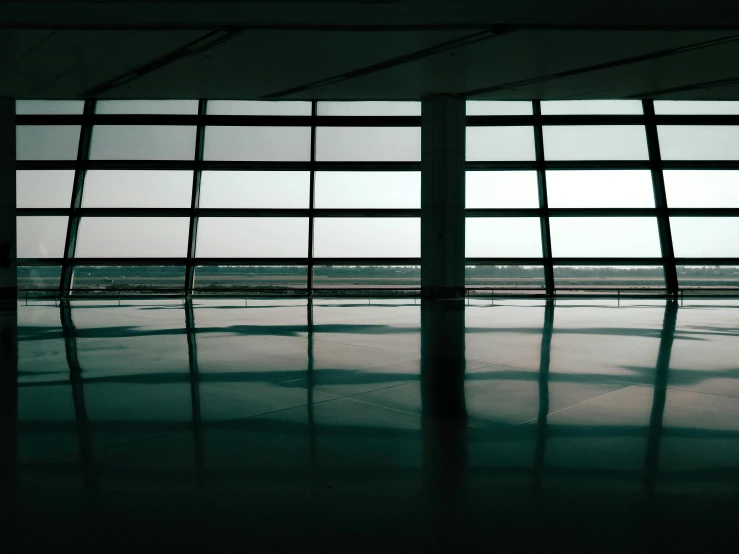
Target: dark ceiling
<point>404,49</point>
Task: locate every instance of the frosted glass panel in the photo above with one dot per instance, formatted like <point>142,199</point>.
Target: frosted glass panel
<point>595,142</point>
<point>690,107</point>
<point>252,107</point>
<point>592,107</point>
<point>375,237</point>
<point>369,108</point>
<point>252,237</point>
<point>502,189</point>
<point>47,142</point>
<point>132,237</point>
<point>495,107</point>
<point>49,107</point>
<point>44,189</point>
<point>375,189</point>
<point>179,107</point>
<point>698,142</point>
<point>702,189</point>
<point>41,237</point>
<point>143,142</point>
<point>137,189</point>
<point>254,144</point>
<point>500,144</point>
<point>600,189</point>
<point>705,237</point>
<point>255,189</point>
<point>503,237</point>
<point>607,237</point>
<point>359,144</point>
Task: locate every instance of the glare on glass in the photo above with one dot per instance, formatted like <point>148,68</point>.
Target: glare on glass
<point>174,107</point>
<point>591,107</point>
<point>49,107</point>
<point>608,237</point>
<point>498,107</point>
<point>368,189</point>
<point>257,107</point>
<point>369,108</point>
<point>501,189</point>
<point>600,189</point>
<point>257,144</point>
<point>695,107</point>
<point>46,142</point>
<point>142,142</point>
<point>137,189</point>
<point>699,142</point>
<point>132,237</point>
<point>252,237</point>
<point>41,236</point>
<point>595,142</point>
<point>702,188</point>
<point>44,188</point>
<point>502,237</point>
<point>488,144</point>
<point>705,237</point>
<point>255,189</point>
<point>371,237</point>
<point>368,144</point>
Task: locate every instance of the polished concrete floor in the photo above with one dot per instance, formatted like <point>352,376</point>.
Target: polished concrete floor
<point>518,425</point>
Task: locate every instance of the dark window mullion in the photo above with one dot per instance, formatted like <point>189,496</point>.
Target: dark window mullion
<point>660,198</point>
<point>83,154</point>
<point>195,203</point>
<point>546,241</point>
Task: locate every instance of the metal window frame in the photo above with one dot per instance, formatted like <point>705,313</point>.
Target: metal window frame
<point>648,120</point>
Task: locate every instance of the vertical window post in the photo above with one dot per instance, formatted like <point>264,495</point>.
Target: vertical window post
<point>195,201</point>
<point>546,239</point>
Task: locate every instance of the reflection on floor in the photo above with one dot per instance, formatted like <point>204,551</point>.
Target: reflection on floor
<point>282,425</point>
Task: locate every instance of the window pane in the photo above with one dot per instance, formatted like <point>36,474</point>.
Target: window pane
<point>600,189</point>
<point>137,189</point>
<point>607,237</point>
<point>708,276</point>
<point>591,107</point>
<point>702,189</point>
<point>369,108</point>
<point>595,142</point>
<point>375,237</point>
<point>129,277</point>
<point>609,276</point>
<point>44,189</point>
<point>502,189</point>
<point>254,144</point>
<point>133,237</point>
<point>371,189</point>
<point>249,107</point>
<point>690,107</point>
<point>519,276</point>
<point>503,237</point>
<point>705,237</point>
<point>183,107</point>
<point>255,189</point>
<point>492,144</point>
<point>252,237</point>
<point>698,142</point>
<point>41,237</point>
<point>34,277</point>
<point>47,142</point>
<point>142,142</point>
<point>363,276</point>
<point>49,107</point>
<point>224,278</point>
<point>496,107</point>
<point>360,144</point>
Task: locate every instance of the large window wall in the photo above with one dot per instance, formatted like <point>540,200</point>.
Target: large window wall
<point>226,196</point>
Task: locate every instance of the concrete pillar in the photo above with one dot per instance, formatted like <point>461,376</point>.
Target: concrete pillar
<point>442,197</point>
<point>8,288</point>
